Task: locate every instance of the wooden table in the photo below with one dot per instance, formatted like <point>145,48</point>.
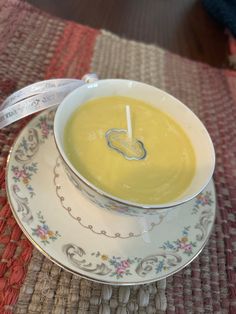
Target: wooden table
<point>182,26</point>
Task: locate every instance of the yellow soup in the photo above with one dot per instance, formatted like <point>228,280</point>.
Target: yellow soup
<point>155,166</point>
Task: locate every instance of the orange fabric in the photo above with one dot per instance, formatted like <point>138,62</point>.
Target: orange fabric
<point>73,53</point>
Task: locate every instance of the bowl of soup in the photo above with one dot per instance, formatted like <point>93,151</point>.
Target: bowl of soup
<point>131,147</point>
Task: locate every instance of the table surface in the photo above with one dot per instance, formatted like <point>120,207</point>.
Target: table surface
<point>184,28</point>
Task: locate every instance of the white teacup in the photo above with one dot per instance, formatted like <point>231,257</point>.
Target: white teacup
<point>193,127</point>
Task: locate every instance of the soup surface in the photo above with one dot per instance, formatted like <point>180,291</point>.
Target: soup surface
<point>155,166</point>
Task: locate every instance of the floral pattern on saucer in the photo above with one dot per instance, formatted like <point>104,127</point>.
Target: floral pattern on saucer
<point>181,244</point>
<point>201,200</point>
<point>45,125</point>
<point>27,148</point>
<point>43,231</point>
<point>122,267</point>
<point>119,267</point>
<point>24,174</point>
<point>168,256</point>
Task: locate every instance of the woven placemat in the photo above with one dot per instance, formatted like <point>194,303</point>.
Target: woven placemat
<point>36,46</point>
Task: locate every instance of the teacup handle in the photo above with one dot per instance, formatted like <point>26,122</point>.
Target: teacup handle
<point>39,96</point>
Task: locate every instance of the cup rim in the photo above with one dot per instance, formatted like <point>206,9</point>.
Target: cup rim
<point>113,198</point>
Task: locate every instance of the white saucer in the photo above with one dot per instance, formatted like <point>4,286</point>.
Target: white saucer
<point>90,241</point>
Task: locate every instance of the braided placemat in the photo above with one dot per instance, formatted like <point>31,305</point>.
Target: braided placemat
<point>36,46</point>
